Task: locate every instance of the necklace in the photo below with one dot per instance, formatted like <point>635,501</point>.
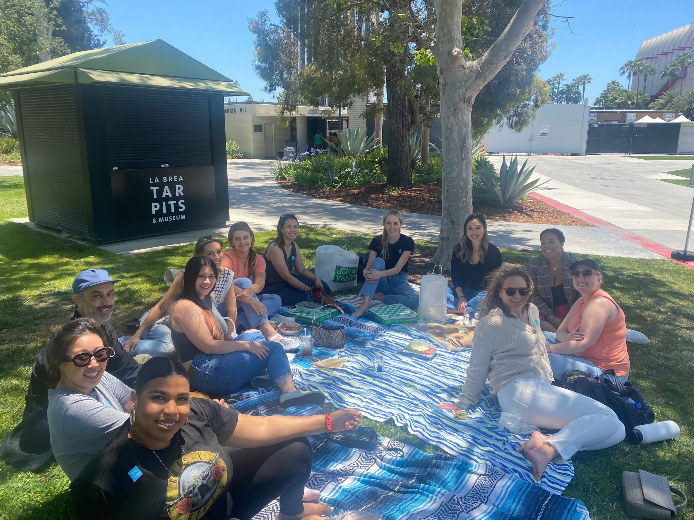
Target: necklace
<point>137,439</point>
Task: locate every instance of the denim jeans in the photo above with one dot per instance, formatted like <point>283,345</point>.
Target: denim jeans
<point>583,424</point>
<point>246,315</point>
<point>155,341</point>
<point>223,374</point>
<point>290,295</point>
<point>563,363</point>
<point>396,288</point>
<point>474,298</point>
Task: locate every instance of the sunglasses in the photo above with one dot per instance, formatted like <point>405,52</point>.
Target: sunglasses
<point>587,273</point>
<point>83,359</point>
<point>510,291</point>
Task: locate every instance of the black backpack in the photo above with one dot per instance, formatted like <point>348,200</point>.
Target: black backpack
<point>623,398</point>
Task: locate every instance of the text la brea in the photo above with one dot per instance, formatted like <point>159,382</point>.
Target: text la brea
<point>160,194</point>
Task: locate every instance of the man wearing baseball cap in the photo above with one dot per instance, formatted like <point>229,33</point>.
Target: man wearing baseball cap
<point>28,446</point>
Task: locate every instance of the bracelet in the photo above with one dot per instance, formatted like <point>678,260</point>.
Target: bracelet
<point>328,424</point>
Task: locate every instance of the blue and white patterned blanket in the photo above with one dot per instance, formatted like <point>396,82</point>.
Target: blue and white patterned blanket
<point>409,390</point>
<point>409,484</point>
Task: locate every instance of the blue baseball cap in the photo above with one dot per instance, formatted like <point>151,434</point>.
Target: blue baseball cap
<point>90,277</point>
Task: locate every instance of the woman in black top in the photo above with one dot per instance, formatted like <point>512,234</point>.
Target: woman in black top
<point>473,259</point>
<point>171,459</point>
<point>283,256</point>
<point>386,269</point>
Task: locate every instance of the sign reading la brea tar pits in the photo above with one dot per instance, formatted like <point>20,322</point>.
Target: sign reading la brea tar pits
<point>163,200</point>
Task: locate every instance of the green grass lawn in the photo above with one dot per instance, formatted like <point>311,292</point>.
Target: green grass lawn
<point>680,173</point>
<point>663,157</point>
<point>36,272</point>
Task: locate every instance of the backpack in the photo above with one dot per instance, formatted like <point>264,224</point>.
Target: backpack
<point>623,398</point>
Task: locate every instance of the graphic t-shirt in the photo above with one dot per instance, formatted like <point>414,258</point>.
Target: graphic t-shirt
<point>188,480</point>
<point>395,251</point>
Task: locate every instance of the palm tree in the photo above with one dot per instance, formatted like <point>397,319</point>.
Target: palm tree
<point>554,91</point>
<point>672,70</point>
<point>667,100</point>
<point>638,65</point>
<point>583,80</point>
<point>628,69</point>
<point>683,61</point>
<point>647,70</point>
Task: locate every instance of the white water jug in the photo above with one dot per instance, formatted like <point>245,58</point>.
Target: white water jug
<point>432,298</point>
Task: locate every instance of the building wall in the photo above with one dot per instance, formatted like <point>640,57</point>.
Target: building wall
<point>686,142</point>
<point>355,112</point>
<point>566,127</point>
<point>239,127</point>
<point>619,116</point>
<point>302,132</point>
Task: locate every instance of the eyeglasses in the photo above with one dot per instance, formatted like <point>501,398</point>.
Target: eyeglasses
<point>587,273</point>
<point>83,359</point>
<point>510,291</point>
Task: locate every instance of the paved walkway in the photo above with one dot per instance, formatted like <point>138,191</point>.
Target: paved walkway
<point>8,171</point>
<point>621,190</point>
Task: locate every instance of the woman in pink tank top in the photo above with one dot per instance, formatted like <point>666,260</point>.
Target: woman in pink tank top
<point>594,333</point>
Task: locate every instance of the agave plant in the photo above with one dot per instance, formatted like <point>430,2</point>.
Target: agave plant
<point>353,143</point>
<point>477,148</point>
<point>512,182</point>
<point>415,148</point>
<point>8,122</point>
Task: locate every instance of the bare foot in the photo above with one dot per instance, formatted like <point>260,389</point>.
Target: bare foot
<point>311,495</point>
<point>361,310</point>
<point>536,440</point>
<point>312,511</point>
<point>540,457</point>
<point>267,330</point>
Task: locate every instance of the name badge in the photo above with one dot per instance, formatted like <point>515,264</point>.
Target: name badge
<point>135,473</point>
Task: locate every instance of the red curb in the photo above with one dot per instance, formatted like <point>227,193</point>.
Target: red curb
<point>654,247</point>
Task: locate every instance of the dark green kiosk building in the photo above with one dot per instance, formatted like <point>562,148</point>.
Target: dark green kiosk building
<point>123,142</point>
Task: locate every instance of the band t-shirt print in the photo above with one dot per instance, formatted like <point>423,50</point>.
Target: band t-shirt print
<point>188,481</point>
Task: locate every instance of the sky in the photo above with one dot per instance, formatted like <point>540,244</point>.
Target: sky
<point>603,34</point>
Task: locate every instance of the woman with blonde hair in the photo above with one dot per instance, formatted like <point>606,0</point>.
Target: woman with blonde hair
<point>508,350</point>
<point>386,269</point>
<point>473,259</point>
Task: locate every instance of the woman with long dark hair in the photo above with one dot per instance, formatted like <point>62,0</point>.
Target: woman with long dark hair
<point>153,337</point>
<point>385,273</point>
<point>173,458</point>
<point>508,350</point>
<point>284,256</point>
<point>249,280</point>
<point>473,259</point>
<point>218,364</point>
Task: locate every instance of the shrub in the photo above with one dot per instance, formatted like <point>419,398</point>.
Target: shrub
<point>353,143</point>
<point>327,171</point>
<point>233,150</point>
<point>9,148</point>
<point>428,173</point>
<point>8,121</point>
<point>508,186</point>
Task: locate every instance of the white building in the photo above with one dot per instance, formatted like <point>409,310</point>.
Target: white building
<point>659,52</point>
<point>255,127</point>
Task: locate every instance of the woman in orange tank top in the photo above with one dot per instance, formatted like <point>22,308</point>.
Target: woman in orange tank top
<point>593,335</point>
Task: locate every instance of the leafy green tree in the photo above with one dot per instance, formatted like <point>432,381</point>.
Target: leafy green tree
<point>616,96</point>
<point>673,100</point>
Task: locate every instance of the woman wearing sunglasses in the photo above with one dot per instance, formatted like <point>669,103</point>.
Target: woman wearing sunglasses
<point>508,350</point>
<point>554,290</point>
<point>88,404</point>
<point>284,256</point>
<point>593,336</point>
<point>172,459</point>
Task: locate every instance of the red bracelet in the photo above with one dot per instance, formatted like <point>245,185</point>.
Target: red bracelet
<point>328,424</point>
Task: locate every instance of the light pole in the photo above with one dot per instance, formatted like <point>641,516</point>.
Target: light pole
<point>684,255</point>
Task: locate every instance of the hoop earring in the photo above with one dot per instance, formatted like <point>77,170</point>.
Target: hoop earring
<point>132,418</point>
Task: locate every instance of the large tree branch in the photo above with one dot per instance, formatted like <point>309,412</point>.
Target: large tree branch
<point>491,62</point>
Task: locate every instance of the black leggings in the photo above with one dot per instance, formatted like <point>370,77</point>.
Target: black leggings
<point>260,475</point>
<point>291,295</point>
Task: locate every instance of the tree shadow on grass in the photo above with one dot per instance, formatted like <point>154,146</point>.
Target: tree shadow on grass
<point>57,508</point>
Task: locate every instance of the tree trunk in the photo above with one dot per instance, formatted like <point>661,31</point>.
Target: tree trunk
<point>397,114</point>
<point>378,128</point>
<point>426,130</point>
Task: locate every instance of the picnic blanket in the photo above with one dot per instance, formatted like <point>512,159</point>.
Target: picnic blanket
<point>409,390</point>
<point>405,483</point>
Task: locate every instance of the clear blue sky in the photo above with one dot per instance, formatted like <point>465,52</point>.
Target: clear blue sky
<point>607,34</point>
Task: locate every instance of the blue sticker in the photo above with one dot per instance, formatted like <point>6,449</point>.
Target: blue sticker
<point>293,257</point>
<point>536,321</point>
<point>107,404</point>
<point>399,250</point>
<point>135,473</point>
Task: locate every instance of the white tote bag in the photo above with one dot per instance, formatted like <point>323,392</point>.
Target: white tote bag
<point>337,266</point>
<point>432,298</point>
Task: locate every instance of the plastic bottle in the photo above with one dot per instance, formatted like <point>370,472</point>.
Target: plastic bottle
<point>469,313</point>
<point>659,431</point>
<point>378,363</point>
<point>629,400</point>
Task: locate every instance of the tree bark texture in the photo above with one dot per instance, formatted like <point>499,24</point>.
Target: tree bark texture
<point>460,80</point>
<point>397,114</point>
<point>378,126</point>
<point>426,130</point>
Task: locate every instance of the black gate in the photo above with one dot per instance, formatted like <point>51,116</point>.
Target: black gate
<point>639,138</point>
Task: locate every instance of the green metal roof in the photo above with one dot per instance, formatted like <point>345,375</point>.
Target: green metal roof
<point>151,64</point>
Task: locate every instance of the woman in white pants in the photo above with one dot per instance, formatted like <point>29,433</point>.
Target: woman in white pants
<point>508,349</point>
